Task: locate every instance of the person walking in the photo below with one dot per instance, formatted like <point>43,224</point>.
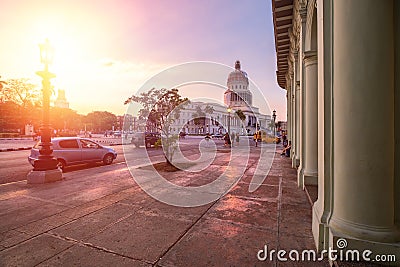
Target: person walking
<point>207,138</point>
<point>227,139</point>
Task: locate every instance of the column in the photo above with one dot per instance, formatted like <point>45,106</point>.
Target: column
<point>302,111</point>
<point>363,120</point>
<point>322,207</point>
<point>296,113</point>
<point>397,111</point>
<point>289,110</point>
<point>310,172</point>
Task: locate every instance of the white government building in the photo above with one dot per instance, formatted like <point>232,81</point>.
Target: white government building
<point>236,97</point>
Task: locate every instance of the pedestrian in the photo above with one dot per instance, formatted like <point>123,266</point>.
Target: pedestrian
<point>207,138</point>
<point>237,138</point>
<point>227,139</point>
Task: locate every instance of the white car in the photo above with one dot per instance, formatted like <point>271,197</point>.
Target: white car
<point>76,150</point>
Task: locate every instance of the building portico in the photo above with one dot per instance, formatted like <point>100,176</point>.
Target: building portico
<point>342,77</point>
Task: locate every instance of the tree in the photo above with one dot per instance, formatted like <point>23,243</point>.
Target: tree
<point>100,120</point>
<point>65,119</point>
<point>199,117</point>
<point>2,85</point>
<point>24,97</point>
<point>161,108</point>
<point>20,91</point>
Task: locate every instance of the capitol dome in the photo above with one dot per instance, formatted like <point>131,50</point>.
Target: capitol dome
<point>238,93</point>
<point>237,76</point>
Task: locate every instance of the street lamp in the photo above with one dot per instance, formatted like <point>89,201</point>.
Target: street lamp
<point>45,168</point>
<point>229,120</point>
<point>274,118</point>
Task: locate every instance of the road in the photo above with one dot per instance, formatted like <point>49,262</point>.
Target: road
<point>14,165</point>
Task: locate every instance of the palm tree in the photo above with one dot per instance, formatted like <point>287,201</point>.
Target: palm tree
<point>241,116</point>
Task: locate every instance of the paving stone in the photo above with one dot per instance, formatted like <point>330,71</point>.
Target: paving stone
<point>180,213</point>
<point>213,242</point>
<point>91,224</point>
<point>87,256</point>
<point>295,220</point>
<point>33,251</point>
<point>269,180</point>
<point>11,238</point>
<point>44,225</point>
<point>299,244</point>
<point>26,215</point>
<point>141,236</point>
<point>295,196</point>
<point>246,211</point>
<point>263,192</point>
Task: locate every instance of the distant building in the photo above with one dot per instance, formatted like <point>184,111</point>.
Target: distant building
<point>61,101</point>
<point>236,97</point>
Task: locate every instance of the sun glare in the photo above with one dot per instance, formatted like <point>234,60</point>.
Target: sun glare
<point>67,53</point>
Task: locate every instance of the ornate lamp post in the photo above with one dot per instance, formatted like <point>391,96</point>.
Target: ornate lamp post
<point>274,118</point>
<point>45,168</point>
<point>229,120</point>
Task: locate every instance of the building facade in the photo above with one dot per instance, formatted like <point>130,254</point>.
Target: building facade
<point>195,120</point>
<point>61,101</point>
<point>339,62</point>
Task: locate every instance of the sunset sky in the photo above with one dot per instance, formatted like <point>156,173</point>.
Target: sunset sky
<point>105,50</point>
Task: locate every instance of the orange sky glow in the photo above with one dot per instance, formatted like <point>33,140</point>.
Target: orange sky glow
<point>106,50</point>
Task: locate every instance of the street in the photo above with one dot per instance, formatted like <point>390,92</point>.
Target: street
<point>14,165</point>
<point>99,216</point>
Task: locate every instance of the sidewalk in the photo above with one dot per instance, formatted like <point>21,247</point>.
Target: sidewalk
<point>101,217</point>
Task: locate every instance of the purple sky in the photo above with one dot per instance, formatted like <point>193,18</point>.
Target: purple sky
<point>106,49</point>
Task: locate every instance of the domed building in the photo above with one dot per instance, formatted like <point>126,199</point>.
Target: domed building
<point>236,97</point>
<point>238,93</point>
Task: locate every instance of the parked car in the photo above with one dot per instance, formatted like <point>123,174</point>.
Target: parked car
<point>117,133</point>
<point>75,150</point>
<point>218,136</point>
<point>147,139</point>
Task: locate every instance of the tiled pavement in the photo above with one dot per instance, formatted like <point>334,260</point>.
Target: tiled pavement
<point>101,217</point>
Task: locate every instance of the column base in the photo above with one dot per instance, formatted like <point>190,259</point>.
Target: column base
<point>300,177</point>
<point>42,177</point>
<point>364,232</point>
<point>310,178</point>
<point>349,248</point>
<point>320,230</point>
<point>295,162</point>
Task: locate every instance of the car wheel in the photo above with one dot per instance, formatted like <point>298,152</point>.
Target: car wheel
<point>108,159</point>
<point>61,164</point>
<point>148,144</point>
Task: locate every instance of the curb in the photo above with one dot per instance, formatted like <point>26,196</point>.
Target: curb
<point>15,149</point>
<point>16,138</point>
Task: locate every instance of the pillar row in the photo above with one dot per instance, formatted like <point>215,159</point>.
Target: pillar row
<point>363,105</point>
<point>310,172</point>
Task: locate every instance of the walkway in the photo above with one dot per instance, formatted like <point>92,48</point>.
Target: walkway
<point>101,217</point>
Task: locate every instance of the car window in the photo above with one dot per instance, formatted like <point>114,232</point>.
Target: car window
<point>88,144</point>
<point>68,144</point>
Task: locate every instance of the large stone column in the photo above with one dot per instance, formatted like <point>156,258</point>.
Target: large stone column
<point>322,207</point>
<point>397,111</point>
<point>363,122</point>
<point>296,113</point>
<point>289,111</point>
<point>310,172</point>
<point>302,109</point>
